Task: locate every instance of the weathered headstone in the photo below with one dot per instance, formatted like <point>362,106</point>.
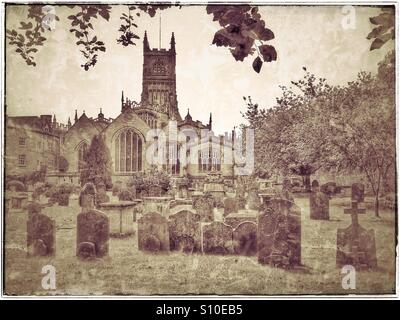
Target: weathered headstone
<point>319,203</point>
<point>245,238</point>
<point>204,206</point>
<point>230,206</point>
<point>356,245</point>
<point>153,234</point>
<point>279,234</point>
<point>40,233</point>
<point>184,231</point>
<point>93,227</point>
<point>217,238</point>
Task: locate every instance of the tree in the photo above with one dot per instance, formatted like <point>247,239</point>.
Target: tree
<point>97,163</point>
<point>243,31</point>
<point>331,127</point>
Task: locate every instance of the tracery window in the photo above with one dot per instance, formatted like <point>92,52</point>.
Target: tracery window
<point>128,152</point>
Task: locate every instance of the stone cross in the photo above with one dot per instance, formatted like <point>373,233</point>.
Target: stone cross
<point>354,211</point>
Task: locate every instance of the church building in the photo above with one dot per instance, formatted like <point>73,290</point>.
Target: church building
<point>145,134</point>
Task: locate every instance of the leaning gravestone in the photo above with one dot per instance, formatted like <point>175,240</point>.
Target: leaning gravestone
<point>245,238</point>
<point>93,227</point>
<point>153,234</point>
<point>356,245</point>
<point>184,231</point>
<point>279,234</point>
<point>230,206</point>
<point>319,203</point>
<point>217,238</point>
<point>40,232</point>
<point>204,206</point>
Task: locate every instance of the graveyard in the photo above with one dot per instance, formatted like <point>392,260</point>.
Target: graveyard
<point>176,259</point>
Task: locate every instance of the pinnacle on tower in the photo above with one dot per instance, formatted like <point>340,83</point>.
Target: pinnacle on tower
<point>146,46</point>
<point>172,42</point>
<point>76,115</point>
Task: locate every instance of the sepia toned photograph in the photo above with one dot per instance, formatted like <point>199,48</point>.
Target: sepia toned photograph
<point>199,149</point>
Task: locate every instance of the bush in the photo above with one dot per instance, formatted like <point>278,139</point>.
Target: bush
<point>60,193</point>
<point>17,185</point>
<point>142,181</point>
<point>126,195</point>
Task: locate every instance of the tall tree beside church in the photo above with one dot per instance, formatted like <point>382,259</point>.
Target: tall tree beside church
<point>97,163</point>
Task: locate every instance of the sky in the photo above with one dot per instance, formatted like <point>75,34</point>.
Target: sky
<point>208,77</point>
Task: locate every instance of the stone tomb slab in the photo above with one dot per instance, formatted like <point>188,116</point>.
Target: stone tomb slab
<point>93,232</point>
<point>279,234</point>
<point>217,238</point>
<point>157,204</point>
<point>245,238</point>
<point>121,217</point>
<point>153,233</point>
<point>41,235</point>
<point>185,232</point>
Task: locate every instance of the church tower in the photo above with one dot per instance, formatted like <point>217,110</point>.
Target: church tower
<point>159,79</point>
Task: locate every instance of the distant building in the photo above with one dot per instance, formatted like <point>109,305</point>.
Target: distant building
<point>140,127</point>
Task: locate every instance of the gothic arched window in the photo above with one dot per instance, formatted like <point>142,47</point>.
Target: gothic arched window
<point>82,147</point>
<point>128,152</point>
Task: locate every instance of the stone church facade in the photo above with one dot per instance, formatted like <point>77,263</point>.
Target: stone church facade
<point>146,134</point>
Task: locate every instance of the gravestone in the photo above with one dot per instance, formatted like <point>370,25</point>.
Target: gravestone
<point>355,244</point>
<point>253,200</point>
<point>153,234</point>
<point>245,238</point>
<point>41,233</point>
<point>93,227</point>
<point>357,192</point>
<point>319,203</point>
<point>184,231</point>
<point>217,238</point>
<point>204,206</point>
<point>279,234</point>
<point>230,206</point>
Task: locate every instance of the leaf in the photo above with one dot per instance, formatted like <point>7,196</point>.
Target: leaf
<point>25,26</point>
<point>379,42</point>
<point>257,64</point>
<point>268,52</point>
<point>385,19</point>
<point>105,14</point>
<point>377,32</point>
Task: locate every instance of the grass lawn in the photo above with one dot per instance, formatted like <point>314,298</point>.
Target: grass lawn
<point>127,271</point>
